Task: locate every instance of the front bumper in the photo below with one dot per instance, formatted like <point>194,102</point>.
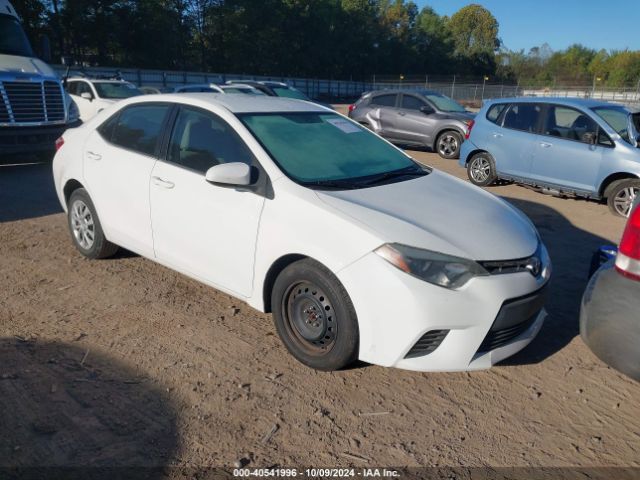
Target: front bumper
<point>36,139</point>
<point>396,310</point>
<point>609,322</point>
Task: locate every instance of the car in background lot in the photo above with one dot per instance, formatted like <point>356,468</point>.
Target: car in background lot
<point>277,89</point>
<point>359,251</point>
<point>422,118</point>
<point>609,314</point>
<point>215,88</point>
<point>94,95</point>
<point>565,146</point>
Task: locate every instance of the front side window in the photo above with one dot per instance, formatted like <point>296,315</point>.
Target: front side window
<point>411,103</point>
<point>384,100</point>
<point>201,140</point>
<point>444,103</point>
<point>116,90</point>
<point>83,87</point>
<point>13,40</point>
<point>617,118</point>
<point>72,88</point>
<point>316,148</point>
<point>523,117</point>
<point>570,124</point>
<point>138,127</point>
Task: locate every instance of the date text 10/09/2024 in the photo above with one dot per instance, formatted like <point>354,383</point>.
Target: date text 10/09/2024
<point>316,472</point>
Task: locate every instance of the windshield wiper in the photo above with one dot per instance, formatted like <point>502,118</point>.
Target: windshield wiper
<point>405,172</point>
<point>334,184</point>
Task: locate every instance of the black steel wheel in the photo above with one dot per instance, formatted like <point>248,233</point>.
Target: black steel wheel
<point>314,316</point>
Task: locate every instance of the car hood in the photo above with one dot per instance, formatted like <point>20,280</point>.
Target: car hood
<point>463,117</point>
<point>441,213</point>
<point>24,65</point>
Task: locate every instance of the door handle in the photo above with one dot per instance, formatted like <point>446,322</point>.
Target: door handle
<point>545,145</point>
<point>94,156</point>
<point>497,135</point>
<point>162,183</point>
<point>402,114</point>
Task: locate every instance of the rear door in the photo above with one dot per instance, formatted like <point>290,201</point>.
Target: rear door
<point>568,151</point>
<point>512,143</point>
<point>411,124</point>
<point>384,111</point>
<point>118,159</point>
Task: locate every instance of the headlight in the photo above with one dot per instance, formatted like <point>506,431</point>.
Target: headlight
<point>433,267</point>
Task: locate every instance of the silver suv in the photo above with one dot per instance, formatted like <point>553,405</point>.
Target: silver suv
<point>419,118</point>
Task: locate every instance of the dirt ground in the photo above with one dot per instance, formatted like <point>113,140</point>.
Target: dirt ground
<point>124,362</point>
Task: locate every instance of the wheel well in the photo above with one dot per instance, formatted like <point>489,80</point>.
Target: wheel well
<point>472,153</point>
<point>275,269</point>
<point>69,188</point>
<point>613,178</point>
<point>445,130</point>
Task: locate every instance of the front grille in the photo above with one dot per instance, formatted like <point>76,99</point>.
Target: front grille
<point>514,318</point>
<point>31,102</point>
<point>427,343</point>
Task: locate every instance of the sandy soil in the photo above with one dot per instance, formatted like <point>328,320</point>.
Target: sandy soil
<point>123,362</point>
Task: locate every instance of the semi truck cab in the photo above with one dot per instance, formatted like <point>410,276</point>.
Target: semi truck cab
<point>34,108</point>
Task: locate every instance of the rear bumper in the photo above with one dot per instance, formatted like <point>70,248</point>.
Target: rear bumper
<point>609,321</point>
<point>24,140</point>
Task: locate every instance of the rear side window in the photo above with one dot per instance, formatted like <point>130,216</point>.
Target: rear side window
<point>138,128</point>
<point>384,100</point>
<point>523,117</point>
<point>201,140</point>
<point>411,103</point>
<point>494,112</point>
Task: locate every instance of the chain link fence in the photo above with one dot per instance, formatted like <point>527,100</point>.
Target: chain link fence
<point>470,90</point>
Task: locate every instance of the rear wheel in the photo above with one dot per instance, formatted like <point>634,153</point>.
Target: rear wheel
<point>621,195</point>
<point>481,169</point>
<point>448,144</point>
<point>85,228</point>
<point>314,316</point>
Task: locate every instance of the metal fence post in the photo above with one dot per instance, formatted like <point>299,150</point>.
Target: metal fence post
<point>453,87</point>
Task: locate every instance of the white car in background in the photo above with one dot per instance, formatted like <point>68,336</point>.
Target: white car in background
<point>215,88</point>
<point>357,250</point>
<point>94,95</point>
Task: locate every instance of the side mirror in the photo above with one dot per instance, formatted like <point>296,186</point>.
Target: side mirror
<point>235,173</point>
<point>427,110</point>
<point>86,96</point>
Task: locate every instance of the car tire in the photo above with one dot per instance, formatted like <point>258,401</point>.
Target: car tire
<point>448,144</point>
<point>314,316</point>
<point>620,196</point>
<point>85,228</point>
<point>481,169</point>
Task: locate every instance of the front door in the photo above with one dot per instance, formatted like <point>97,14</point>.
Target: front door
<point>208,231</point>
<point>568,153</point>
<point>413,125</point>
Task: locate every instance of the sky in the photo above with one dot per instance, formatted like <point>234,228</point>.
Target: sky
<point>597,24</point>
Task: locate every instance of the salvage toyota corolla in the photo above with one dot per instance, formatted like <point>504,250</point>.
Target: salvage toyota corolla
<point>358,251</point>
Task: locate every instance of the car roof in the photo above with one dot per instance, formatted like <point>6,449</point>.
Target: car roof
<point>568,101</point>
<point>235,103</point>
<point>415,91</point>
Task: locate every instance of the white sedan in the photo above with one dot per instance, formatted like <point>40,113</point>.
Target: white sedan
<point>357,250</point>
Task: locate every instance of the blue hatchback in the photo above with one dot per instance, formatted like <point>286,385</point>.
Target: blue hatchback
<point>567,147</point>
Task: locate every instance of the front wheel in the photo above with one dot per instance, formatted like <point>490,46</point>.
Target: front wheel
<point>314,316</point>
<point>481,170</point>
<point>621,196</point>
<point>448,144</point>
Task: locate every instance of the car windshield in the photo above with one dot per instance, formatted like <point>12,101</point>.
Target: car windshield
<point>443,103</point>
<point>13,40</point>
<point>617,118</point>
<point>327,150</point>
<point>289,92</point>
<point>116,90</point>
